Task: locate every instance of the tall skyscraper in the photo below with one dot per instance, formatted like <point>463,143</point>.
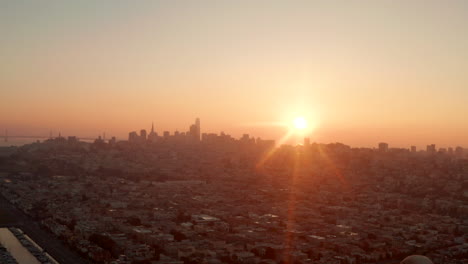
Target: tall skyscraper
<point>143,135</point>
<point>153,136</point>
<point>195,130</point>
<point>133,137</point>
<point>198,129</point>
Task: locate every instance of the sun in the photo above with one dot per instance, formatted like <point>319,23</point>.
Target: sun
<point>300,123</point>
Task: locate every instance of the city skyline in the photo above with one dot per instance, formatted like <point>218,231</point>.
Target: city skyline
<point>292,137</point>
<point>361,71</point>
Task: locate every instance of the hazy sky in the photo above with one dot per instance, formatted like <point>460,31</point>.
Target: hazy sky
<point>360,71</point>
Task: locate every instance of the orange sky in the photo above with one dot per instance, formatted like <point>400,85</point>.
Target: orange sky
<point>361,71</point>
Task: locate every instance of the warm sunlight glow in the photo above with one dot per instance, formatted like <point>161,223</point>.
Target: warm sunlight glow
<point>300,123</point>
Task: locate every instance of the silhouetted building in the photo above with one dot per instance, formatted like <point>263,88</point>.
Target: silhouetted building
<point>306,142</point>
<point>194,130</point>
<point>166,135</point>
<point>431,148</point>
<point>153,136</point>
<point>459,151</point>
<point>99,141</point>
<point>133,137</point>
<point>383,147</point>
<point>198,129</point>
<point>413,149</point>
<point>265,144</point>
<point>246,140</point>
<point>143,135</point>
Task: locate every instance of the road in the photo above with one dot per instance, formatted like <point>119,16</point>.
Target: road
<point>10,216</point>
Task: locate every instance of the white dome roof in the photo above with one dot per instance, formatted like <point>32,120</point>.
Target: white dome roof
<point>416,259</point>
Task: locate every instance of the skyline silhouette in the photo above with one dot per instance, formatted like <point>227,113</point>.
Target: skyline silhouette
<point>195,129</point>
<point>362,71</point>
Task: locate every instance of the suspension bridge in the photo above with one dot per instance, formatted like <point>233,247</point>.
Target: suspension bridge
<point>6,137</point>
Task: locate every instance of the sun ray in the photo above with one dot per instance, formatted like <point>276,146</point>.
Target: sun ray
<point>272,151</point>
<point>291,215</point>
<point>330,162</point>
